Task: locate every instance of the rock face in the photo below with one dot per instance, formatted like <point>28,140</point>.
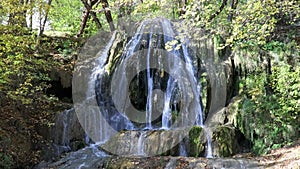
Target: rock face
<point>67,128</point>
<point>225,142</point>
<point>66,135</point>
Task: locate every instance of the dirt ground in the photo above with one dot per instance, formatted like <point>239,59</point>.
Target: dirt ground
<point>283,158</point>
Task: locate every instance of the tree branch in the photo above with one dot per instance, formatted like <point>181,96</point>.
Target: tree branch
<point>107,13</point>
<point>224,3</point>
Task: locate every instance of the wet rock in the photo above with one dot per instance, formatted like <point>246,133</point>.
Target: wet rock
<point>145,143</point>
<point>66,128</point>
<point>65,135</point>
<point>224,124</point>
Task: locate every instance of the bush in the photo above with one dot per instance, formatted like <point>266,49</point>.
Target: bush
<point>23,72</point>
<point>271,121</point>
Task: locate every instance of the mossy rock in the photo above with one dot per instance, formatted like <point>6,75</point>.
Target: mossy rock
<point>196,147</point>
<point>224,136</point>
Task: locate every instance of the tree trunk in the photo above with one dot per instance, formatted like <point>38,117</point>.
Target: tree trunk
<point>84,18</point>
<point>233,5</point>
<point>86,13</point>
<point>268,86</point>
<point>43,24</point>
<point>224,3</point>
<point>108,16</point>
<point>96,20</point>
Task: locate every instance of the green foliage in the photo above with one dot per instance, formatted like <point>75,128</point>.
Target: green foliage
<point>255,22</point>
<point>65,15</point>
<point>286,85</point>
<point>138,11</point>
<point>152,9</point>
<point>224,135</point>
<point>271,121</point>
<point>67,48</point>
<point>13,12</point>
<point>22,73</point>
<point>249,25</point>
<point>195,144</point>
<point>253,31</point>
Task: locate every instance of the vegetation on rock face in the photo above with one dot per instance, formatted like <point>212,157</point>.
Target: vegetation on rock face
<point>225,139</point>
<point>23,74</point>
<point>261,40</point>
<point>195,141</point>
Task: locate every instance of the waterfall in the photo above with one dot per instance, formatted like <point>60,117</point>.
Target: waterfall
<point>62,139</point>
<point>94,121</point>
<point>167,113</point>
<point>197,87</point>
<point>148,88</point>
<point>140,146</point>
<point>208,148</point>
<point>65,133</point>
<point>207,133</point>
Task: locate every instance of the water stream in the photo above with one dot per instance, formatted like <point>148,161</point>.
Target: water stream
<point>166,93</point>
<point>140,146</point>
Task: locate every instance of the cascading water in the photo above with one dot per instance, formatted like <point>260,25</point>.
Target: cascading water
<point>167,92</point>
<point>207,132</point>
<point>65,138</point>
<point>167,113</point>
<point>150,88</point>
<point>197,87</point>
<point>140,146</point>
<point>199,118</point>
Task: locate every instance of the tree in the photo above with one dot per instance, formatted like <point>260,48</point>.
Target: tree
<point>17,16</point>
<point>90,10</point>
<point>43,12</point>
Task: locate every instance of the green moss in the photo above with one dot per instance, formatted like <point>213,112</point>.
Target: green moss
<point>196,146</point>
<point>114,53</point>
<point>224,135</point>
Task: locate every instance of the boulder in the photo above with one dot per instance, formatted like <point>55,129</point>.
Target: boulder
<point>145,143</point>
<point>224,141</point>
